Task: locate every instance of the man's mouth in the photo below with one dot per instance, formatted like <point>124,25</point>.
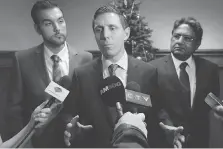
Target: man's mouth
<point>179,48</point>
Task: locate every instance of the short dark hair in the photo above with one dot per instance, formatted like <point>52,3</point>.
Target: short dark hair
<point>109,8</point>
<point>41,5</point>
<point>193,23</point>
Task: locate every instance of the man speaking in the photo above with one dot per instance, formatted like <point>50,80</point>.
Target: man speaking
<point>95,117</point>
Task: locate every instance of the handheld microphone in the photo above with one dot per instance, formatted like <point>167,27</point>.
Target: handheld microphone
<point>133,95</point>
<point>213,100</point>
<point>113,93</point>
<point>65,82</point>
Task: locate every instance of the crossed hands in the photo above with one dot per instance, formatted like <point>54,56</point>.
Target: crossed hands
<point>174,135</point>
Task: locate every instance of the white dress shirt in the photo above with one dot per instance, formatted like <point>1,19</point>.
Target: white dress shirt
<point>64,61</point>
<point>191,71</point>
<point>121,71</point>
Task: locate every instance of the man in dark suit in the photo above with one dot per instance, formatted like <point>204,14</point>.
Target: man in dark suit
<point>111,30</point>
<point>184,81</point>
<point>37,66</point>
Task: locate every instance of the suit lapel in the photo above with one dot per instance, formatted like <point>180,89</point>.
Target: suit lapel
<point>131,72</point>
<point>72,60</point>
<point>41,65</point>
<point>97,67</point>
<point>201,81</point>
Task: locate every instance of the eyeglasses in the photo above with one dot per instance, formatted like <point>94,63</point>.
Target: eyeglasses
<point>186,38</point>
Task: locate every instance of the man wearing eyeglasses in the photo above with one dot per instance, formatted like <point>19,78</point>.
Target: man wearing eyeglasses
<point>184,81</point>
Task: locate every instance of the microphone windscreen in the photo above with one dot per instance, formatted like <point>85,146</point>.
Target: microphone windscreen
<point>133,86</point>
<point>65,82</point>
<point>112,91</point>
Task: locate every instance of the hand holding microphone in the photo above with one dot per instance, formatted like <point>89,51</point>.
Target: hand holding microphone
<point>219,112</point>
<point>216,104</point>
<point>58,94</point>
<point>49,109</point>
<point>41,116</point>
<point>136,120</point>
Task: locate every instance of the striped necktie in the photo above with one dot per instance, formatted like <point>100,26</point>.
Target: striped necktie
<point>112,68</point>
<point>56,68</point>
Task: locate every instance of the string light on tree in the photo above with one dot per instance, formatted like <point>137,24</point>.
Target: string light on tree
<point>125,3</point>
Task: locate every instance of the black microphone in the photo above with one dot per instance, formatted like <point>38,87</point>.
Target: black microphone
<point>112,92</point>
<point>65,82</point>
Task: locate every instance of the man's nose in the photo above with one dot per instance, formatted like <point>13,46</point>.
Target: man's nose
<point>56,28</point>
<point>105,34</point>
<point>181,39</point>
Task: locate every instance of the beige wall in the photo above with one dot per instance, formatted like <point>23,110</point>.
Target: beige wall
<point>16,26</point>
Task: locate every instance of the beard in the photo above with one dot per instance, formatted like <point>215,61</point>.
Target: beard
<point>56,40</point>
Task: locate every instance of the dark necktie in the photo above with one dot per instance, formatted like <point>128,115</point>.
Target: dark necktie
<point>184,80</point>
<point>111,69</point>
<point>56,68</point>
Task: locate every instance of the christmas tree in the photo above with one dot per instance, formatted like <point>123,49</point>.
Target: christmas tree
<point>139,44</point>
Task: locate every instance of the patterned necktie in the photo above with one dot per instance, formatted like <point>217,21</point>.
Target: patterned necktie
<point>184,80</point>
<point>112,68</point>
<point>56,68</point>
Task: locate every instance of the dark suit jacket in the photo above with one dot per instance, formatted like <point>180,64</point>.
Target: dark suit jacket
<point>173,110</point>
<point>128,136</point>
<point>28,83</point>
<point>85,99</point>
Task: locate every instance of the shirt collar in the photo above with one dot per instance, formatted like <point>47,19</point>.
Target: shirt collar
<point>63,54</point>
<point>178,62</point>
<point>123,62</point>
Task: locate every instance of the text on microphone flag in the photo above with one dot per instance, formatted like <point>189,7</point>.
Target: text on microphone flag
<point>138,98</point>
